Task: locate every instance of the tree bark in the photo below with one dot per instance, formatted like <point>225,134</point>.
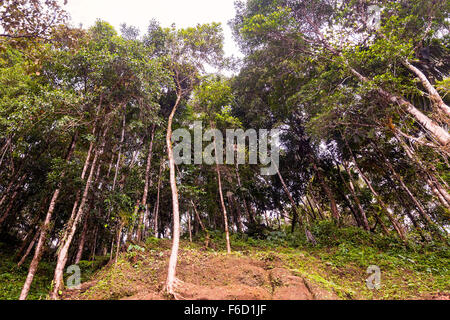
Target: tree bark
<point>394,222</point>
<point>146,186</point>
<point>82,240</point>
<point>291,199</point>
<point>432,181</point>
<point>316,204</point>
<point>119,157</point>
<point>434,94</point>
<point>72,225</point>
<point>222,202</point>
<point>439,133</point>
<point>326,188</point>
<point>44,229</point>
<point>251,217</point>
<point>30,247</point>
<point>352,189</point>
<point>171,274</point>
<point>189,225</point>
<point>161,167</point>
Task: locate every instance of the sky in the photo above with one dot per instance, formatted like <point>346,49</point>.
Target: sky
<point>138,13</point>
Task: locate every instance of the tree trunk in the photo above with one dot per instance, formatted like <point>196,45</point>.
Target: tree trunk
<point>291,199</point>
<point>432,181</point>
<point>30,247</point>
<point>251,217</point>
<point>119,157</point>
<point>394,222</point>
<point>82,240</point>
<point>326,188</point>
<point>4,150</point>
<point>439,133</point>
<point>222,203</point>
<point>161,167</point>
<point>316,204</point>
<point>414,200</point>
<point>119,236</point>
<point>147,183</point>
<point>189,225</point>
<point>434,94</point>
<point>72,224</point>
<point>10,188</point>
<point>44,229</point>
<point>356,199</point>
<point>12,199</point>
<point>171,274</point>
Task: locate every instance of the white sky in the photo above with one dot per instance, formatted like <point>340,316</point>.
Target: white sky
<point>138,13</point>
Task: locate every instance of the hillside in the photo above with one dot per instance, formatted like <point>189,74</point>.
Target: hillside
<point>263,270</point>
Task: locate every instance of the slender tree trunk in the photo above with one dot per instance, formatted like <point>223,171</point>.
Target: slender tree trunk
<point>251,217</point>
<point>434,94</point>
<point>146,186</point>
<point>4,150</point>
<point>44,229</point>
<point>291,199</point>
<point>171,274</point>
<point>222,202</point>
<point>9,207</point>
<point>161,167</point>
<point>316,204</point>
<point>30,247</point>
<point>119,157</point>
<point>436,187</point>
<point>72,225</point>
<point>439,133</point>
<point>356,199</point>
<point>312,205</point>
<point>414,200</point>
<point>12,186</point>
<point>326,188</point>
<point>394,222</point>
<point>12,199</point>
<point>411,217</point>
<point>309,209</point>
<point>189,225</point>
<point>82,240</point>
<point>28,239</point>
<point>234,209</point>
<point>197,215</point>
<point>94,245</point>
<point>119,236</point>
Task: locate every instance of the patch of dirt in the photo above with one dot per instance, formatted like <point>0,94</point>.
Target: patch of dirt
<point>203,276</point>
<point>189,291</point>
<point>439,296</point>
<point>74,294</point>
<point>289,287</point>
<point>146,296</point>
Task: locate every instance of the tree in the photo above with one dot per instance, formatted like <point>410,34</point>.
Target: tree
<point>186,50</point>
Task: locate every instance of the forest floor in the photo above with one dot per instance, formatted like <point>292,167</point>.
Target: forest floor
<point>275,268</point>
<point>262,273</point>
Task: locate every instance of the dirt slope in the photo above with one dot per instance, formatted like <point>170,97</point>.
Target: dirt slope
<point>203,275</point>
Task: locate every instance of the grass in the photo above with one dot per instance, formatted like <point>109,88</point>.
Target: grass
<point>12,277</point>
<point>338,264</point>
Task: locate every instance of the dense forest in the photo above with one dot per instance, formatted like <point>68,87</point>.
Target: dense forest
<point>88,160</point>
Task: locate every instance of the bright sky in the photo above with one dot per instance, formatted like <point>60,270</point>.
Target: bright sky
<point>138,13</point>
